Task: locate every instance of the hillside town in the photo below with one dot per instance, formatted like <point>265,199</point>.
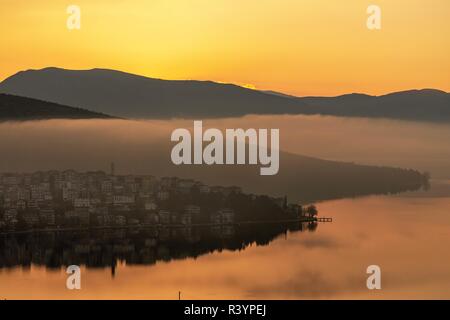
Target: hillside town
<point>70,199</point>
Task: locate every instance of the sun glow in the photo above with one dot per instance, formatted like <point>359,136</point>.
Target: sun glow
<point>298,47</point>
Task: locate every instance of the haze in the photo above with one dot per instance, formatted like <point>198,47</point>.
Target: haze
<point>299,47</point>
<point>144,146</point>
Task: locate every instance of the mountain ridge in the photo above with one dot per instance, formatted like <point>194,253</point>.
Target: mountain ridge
<point>16,108</point>
<point>128,95</point>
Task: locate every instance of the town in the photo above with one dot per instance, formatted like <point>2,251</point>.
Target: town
<point>68,199</point>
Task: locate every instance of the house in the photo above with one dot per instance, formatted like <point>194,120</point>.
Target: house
<point>23,194</point>
<point>168,182</point>
<point>36,192</point>
<point>222,216</point>
<point>227,216</point>
<point>47,216</point>
<point>133,221</point>
<point>120,220</point>
<point>231,190</point>
<point>123,199</point>
<point>295,210</point>
<point>32,204</point>
<point>164,217</point>
<point>217,189</point>
<point>148,183</point>
<point>21,204</point>
<point>223,231</point>
<point>192,209</point>
<point>163,195</point>
<point>204,188</point>
<point>186,219</point>
<point>68,193</point>
<point>81,202</point>
<point>10,214</point>
<point>185,185</point>
<point>105,219</point>
<point>31,218</point>
<point>11,179</point>
<point>150,205</point>
<point>107,186</point>
<point>174,218</point>
<point>151,218</point>
<point>80,216</point>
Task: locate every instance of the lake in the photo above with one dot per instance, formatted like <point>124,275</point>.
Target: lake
<point>406,235</point>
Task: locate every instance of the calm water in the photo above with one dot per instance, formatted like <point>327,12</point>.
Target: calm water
<point>407,235</point>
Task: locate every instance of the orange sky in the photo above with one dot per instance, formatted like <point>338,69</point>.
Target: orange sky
<point>302,47</point>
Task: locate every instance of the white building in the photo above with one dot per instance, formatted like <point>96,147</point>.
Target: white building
<point>81,202</point>
<point>123,199</point>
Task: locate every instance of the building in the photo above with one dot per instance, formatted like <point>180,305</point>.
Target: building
<point>204,188</point>
<point>151,218</point>
<point>231,190</point>
<point>47,216</point>
<point>30,218</point>
<point>79,216</point>
<point>164,217</point>
<point>222,216</point>
<point>107,186</point>
<point>186,219</point>
<point>163,195</point>
<point>21,204</point>
<point>123,199</point>
<point>185,185</point>
<point>81,202</point>
<point>120,220</point>
<point>192,209</point>
<point>150,205</point>
<point>10,215</point>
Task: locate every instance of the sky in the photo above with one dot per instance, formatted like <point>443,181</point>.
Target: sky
<point>300,47</point>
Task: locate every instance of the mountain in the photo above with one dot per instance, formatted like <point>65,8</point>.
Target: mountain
<point>308,179</point>
<point>144,147</point>
<point>132,96</point>
<point>20,108</point>
<point>422,105</point>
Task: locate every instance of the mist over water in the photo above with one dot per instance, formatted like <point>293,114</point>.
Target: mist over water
<point>328,263</point>
<point>144,146</point>
<point>419,145</point>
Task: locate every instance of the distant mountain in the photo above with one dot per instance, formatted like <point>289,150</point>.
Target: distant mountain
<point>132,96</point>
<point>93,144</point>
<point>20,108</point>
<point>421,105</point>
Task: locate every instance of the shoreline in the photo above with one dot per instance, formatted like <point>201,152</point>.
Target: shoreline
<point>159,226</point>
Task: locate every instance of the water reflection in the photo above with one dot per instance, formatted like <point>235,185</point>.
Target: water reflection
<point>108,247</point>
<point>407,236</point>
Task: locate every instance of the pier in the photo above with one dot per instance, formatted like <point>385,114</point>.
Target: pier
<point>324,219</point>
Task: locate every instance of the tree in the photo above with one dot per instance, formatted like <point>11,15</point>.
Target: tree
<point>312,211</point>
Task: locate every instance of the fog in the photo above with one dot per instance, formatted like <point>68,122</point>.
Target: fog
<point>419,145</point>
<point>143,147</point>
<point>92,144</point>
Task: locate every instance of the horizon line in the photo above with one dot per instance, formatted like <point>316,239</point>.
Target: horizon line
<point>244,86</point>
